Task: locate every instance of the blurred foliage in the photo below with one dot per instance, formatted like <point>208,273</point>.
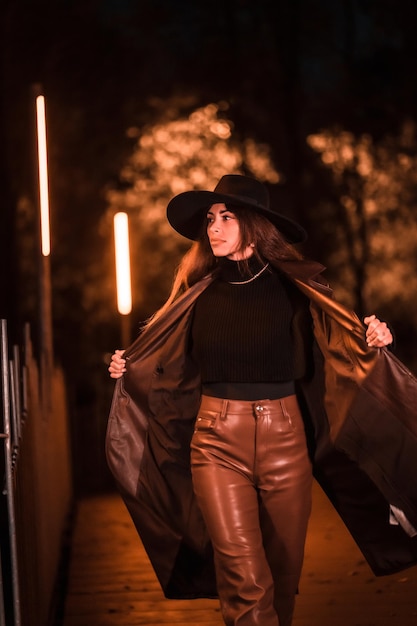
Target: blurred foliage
<point>371,231</point>
<point>181,151</point>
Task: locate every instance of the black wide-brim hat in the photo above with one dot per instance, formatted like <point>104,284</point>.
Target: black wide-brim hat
<point>186,211</point>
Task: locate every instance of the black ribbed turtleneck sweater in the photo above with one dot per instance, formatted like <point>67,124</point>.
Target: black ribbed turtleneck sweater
<point>241,333</point>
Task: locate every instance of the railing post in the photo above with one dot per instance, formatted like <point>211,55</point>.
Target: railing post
<point>9,490</point>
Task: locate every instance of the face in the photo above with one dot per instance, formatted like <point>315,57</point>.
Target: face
<point>223,231</point>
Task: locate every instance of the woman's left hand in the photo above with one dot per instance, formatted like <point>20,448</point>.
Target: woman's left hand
<point>117,365</point>
<point>378,334</point>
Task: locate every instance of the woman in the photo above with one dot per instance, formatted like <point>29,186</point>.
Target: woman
<point>250,336</point>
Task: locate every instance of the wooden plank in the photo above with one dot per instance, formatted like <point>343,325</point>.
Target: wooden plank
<point>111,581</point>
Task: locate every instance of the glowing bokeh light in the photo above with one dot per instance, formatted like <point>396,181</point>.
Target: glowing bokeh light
<point>43,175</point>
<point>122,251</point>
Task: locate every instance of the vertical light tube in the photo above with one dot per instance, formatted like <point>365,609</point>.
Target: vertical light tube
<point>45,287</point>
<point>122,250</point>
<point>43,175</point>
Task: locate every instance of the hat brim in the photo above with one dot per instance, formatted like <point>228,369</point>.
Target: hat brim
<point>186,212</point>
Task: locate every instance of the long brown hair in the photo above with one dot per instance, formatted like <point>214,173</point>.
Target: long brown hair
<point>255,230</point>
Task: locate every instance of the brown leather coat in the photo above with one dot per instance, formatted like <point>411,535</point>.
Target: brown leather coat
<point>360,409</point>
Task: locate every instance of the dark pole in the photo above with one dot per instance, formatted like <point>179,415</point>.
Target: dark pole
<point>45,290</point>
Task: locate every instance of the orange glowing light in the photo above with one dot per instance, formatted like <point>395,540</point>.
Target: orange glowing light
<point>121,241</point>
<point>43,175</point>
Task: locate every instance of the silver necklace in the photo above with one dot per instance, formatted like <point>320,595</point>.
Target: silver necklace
<point>245,282</point>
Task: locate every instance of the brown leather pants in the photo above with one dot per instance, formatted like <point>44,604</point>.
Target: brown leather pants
<point>252,478</point>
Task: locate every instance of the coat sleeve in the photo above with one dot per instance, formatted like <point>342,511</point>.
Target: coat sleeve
<point>363,407</point>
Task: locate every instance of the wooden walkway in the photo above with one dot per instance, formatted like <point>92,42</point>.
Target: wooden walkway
<point>111,582</point>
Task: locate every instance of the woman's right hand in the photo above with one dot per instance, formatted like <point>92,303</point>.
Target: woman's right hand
<point>117,365</point>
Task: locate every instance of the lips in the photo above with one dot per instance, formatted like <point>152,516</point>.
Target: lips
<point>216,242</point>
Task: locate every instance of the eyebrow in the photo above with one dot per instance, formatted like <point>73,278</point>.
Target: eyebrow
<point>226,210</point>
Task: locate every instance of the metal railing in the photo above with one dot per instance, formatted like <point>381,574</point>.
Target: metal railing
<point>12,403</point>
<point>36,496</point>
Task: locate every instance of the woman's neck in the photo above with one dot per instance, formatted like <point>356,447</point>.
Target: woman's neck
<point>239,271</point>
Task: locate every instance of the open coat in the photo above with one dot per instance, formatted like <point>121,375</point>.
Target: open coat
<point>360,411</point>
